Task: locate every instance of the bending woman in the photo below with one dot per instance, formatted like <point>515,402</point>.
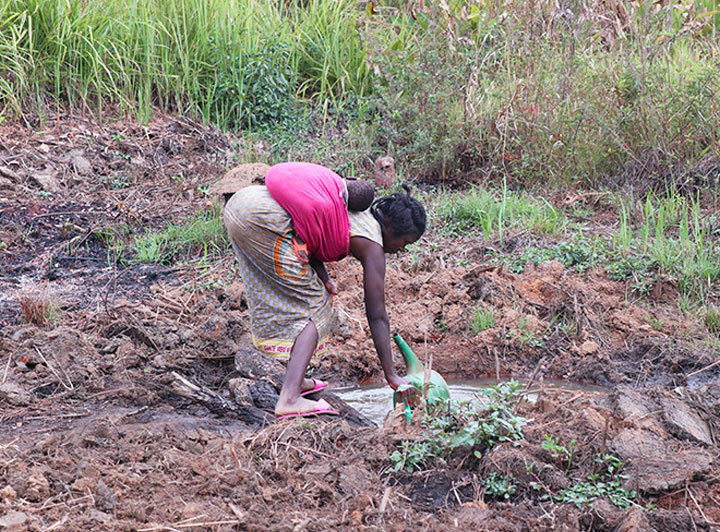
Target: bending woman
<point>290,309</point>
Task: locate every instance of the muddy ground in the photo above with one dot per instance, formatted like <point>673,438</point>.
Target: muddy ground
<point>96,435</point>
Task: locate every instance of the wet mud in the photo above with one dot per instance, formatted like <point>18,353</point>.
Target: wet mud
<point>124,408</point>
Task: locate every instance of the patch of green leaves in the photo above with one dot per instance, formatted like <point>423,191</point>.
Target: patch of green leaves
<point>451,425</point>
<point>606,483</point>
<point>499,486</point>
<point>202,236</point>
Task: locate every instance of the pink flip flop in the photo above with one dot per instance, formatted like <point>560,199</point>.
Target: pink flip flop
<point>321,407</point>
<point>319,385</point>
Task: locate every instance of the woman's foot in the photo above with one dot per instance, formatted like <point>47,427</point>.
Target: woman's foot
<point>311,386</point>
<point>304,407</point>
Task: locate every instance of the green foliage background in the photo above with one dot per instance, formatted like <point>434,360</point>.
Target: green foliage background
<point>455,90</point>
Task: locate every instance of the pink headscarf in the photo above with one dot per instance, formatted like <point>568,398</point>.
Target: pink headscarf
<point>313,195</point>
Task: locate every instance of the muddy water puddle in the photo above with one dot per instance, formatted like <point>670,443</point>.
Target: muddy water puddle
<point>376,401</point>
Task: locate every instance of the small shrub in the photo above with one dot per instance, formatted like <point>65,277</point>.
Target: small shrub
<point>452,425</point>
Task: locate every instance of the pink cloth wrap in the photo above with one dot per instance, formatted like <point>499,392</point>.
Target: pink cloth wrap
<point>313,195</point>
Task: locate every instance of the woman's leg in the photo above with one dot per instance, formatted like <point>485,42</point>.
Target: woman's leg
<point>290,401</point>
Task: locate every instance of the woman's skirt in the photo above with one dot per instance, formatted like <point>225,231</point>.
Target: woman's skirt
<point>283,294</point>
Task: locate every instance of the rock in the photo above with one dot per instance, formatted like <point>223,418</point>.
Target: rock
<point>47,180</point>
<point>655,463</point>
<point>239,177</point>
<point>635,408</point>
<point>14,394</point>
<point>13,520</point>
<point>105,498</point>
<point>684,422</point>
<point>7,494</point>
<point>37,487</point>
<point>240,388</point>
<point>384,173</point>
<point>81,165</point>
<point>342,325</point>
<point>588,348</point>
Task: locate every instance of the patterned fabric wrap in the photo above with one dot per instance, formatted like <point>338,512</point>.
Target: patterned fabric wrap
<point>314,197</point>
<point>282,293</point>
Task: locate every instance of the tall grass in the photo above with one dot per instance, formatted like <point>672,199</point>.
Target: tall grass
<point>205,56</point>
<point>527,91</point>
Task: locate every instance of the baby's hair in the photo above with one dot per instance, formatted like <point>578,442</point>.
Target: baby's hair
<point>402,212</point>
<point>360,194</point>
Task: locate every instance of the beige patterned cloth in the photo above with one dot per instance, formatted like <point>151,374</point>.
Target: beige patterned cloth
<point>282,292</point>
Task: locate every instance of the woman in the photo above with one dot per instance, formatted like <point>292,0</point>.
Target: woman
<point>290,308</point>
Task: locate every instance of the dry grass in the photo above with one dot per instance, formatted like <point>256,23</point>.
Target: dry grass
<point>39,308</point>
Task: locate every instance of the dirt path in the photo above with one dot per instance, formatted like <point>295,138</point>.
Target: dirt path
<point>94,435</point>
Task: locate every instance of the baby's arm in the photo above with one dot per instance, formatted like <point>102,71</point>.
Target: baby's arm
<point>321,270</point>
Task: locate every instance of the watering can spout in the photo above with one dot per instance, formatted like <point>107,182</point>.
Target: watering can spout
<point>437,388</point>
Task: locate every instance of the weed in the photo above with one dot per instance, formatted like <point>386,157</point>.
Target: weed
<point>39,308</point>
<point>499,486</point>
<point>606,483</point>
<point>452,425</point>
<point>202,235</point>
<point>712,319</point>
<point>559,451</point>
<point>115,181</point>
<point>483,319</point>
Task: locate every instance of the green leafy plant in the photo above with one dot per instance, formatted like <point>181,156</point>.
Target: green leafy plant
<point>452,425</point>
<point>558,451</point>
<point>605,483</point>
<point>499,486</point>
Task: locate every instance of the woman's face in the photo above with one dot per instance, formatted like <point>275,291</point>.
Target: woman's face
<point>393,243</point>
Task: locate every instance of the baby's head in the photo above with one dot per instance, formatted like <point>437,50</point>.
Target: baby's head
<point>360,194</point>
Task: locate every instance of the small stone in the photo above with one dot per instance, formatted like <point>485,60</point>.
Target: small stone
<point>47,180</point>
<point>14,394</point>
<point>384,173</point>
<point>8,494</point>
<point>13,519</point>
<point>588,348</point>
<point>81,165</point>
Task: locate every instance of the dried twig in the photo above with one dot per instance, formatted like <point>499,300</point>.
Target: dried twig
<point>7,366</point>
<point>57,375</point>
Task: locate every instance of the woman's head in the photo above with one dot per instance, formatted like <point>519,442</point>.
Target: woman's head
<point>401,217</point>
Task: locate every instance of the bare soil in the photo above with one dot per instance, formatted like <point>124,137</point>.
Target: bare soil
<point>96,434</point>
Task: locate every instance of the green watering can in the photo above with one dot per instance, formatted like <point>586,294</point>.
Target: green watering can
<point>438,388</point>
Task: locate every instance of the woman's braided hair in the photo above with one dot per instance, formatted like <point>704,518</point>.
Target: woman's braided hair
<point>403,213</point>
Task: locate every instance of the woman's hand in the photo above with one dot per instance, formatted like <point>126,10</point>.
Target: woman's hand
<point>407,392</point>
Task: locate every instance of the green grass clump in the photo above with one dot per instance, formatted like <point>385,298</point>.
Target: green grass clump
<point>482,210</point>
<point>712,319</point>
<point>202,236</point>
<point>483,318</point>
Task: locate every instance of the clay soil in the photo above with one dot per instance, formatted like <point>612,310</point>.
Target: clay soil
<point>96,433</point>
